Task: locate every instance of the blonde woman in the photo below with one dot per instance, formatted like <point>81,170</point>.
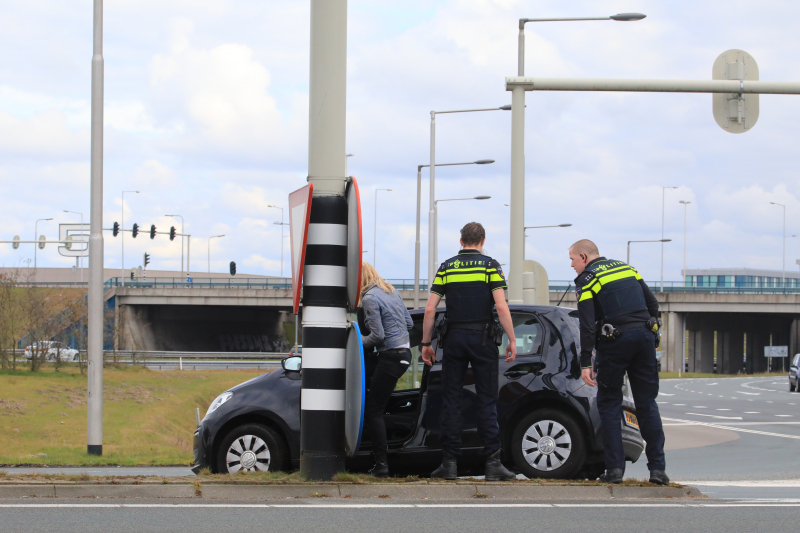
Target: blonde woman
<point>388,322</point>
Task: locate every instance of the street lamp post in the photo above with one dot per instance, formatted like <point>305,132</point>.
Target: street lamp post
<point>629,247</point>
<point>432,265</point>
<point>419,210</point>
<point>517,214</point>
<point>526,228</point>
<point>436,222</point>
<point>179,216</point>
<point>36,238</point>
<point>783,260</point>
<point>375,224</point>
<point>685,204</point>
<point>80,259</point>
<point>282,224</point>
<point>663,196</point>
<point>209,250</point>
<point>122,238</point>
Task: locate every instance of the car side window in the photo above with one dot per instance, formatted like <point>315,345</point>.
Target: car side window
<point>529,335</point>
<point>796,359</point>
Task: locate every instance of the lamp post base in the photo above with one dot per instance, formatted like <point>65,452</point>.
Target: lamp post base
<point>94,449</point>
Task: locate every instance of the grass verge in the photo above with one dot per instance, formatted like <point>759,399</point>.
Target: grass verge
<point>148,416</point>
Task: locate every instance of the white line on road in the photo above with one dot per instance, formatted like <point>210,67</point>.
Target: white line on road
<point>739,429</point>
<point>753,503</point>
<point>665,394</point>
<point>750,393</point>
<point>717,416</point>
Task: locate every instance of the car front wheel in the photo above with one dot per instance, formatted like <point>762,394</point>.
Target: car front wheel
<point>548,443</point>
<point>251,448</point>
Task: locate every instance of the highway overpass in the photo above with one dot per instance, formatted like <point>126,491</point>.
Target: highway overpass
<point>255,315</point>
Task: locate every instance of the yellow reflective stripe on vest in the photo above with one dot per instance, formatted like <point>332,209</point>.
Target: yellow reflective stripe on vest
<point>495,277</point>
<point>458,277</point>
<point>630,273</point>
<point>586,296</point>
<point>610,270</point>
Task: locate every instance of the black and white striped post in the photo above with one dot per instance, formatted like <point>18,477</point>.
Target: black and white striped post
<point>322,404</point>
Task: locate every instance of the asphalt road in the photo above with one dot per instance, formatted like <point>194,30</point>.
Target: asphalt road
<point>732,437</point>
<point>301,516</point>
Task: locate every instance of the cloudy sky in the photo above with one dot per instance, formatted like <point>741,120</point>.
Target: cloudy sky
<point>207,115</point>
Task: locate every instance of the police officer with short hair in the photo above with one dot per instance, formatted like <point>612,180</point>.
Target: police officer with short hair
<point>619,317</point>
<point>472,284</point>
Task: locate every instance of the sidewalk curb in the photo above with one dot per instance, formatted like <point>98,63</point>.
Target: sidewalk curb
<point>432,491</point>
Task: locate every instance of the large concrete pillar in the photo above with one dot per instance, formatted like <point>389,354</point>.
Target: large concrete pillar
<point>672,345</point>
<point>701,346</point>
<point>730,343</point>
<point>757,337</point>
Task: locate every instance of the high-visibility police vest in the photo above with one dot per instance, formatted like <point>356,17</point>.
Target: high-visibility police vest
<point>468,281</point>
<point>614,285</point>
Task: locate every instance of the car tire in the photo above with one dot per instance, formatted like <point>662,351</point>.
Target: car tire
<point>261,447</point>
<point>548,443</point>
<point>792,388</point>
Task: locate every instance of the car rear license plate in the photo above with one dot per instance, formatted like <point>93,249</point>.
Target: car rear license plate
<point>631,420</point>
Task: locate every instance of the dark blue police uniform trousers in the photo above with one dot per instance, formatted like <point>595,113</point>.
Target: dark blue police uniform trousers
<point>635,352</point>
<point>462,348</point>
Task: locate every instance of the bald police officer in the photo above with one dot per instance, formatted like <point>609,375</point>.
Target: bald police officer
<point>618,316</point>
<point>472,284</point>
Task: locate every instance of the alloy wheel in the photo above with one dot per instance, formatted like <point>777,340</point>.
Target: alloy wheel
<point>546,445</point>
<point>249,453</point>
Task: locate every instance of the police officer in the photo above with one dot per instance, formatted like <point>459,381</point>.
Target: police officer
<point>472,284</point>
<point>618,317</point>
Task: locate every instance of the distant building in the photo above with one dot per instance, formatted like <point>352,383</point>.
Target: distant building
<point>740,277</point>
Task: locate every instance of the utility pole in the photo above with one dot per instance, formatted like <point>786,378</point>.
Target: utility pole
<point>663,196</point>
<point>325,327</point>
<point>94,432</point>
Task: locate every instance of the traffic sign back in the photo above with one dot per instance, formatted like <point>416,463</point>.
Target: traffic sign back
<point>299,216</point>
<point>735,112</point>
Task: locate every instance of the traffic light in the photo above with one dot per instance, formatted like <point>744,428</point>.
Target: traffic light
<point>172,233</point>
<point>115,229</point>
<point>146,259</point>
<point>233,268</point>
<point>135,231</point>
<point>152,231</point>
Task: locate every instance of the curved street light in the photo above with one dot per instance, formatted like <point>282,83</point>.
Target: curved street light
<point>209,250</point>
<point>628,261</point>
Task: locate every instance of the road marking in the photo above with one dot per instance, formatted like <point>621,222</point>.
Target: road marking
<point>750,393</point>
<point>699,407</point>
<point>752,412</point>
<point>739,429</point>
<point>679,404</point>
<point>783,415</point>
<point>769,401</point>
<point>717,416</point>
<point>723,409</point>
<point>709,384</point>
<point>665,394</point>
<point>739,503</point>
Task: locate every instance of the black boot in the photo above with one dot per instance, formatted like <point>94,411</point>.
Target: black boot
<point>381,468</point>
<point>613,475</point>
<point>495,471</point>
<point>448,469</point>
<point>659,477</point>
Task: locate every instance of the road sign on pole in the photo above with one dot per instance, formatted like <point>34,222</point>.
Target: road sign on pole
<point>355,390</point>
<point>354,243</point>
<point>735,112</point>
<point>42,240</point>
<point>299,215</point>
<point>16,242</point>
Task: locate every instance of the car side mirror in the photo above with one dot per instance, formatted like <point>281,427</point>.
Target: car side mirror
<point>292,364</point>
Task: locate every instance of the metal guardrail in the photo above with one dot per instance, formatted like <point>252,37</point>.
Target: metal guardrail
<point>678,286</point>
<point>206,356</point>
<point>201,283</point>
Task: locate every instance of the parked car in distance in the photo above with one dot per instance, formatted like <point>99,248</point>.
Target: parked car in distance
<point>52,349</point>
<point>793,370</point>
<point>549,422</point>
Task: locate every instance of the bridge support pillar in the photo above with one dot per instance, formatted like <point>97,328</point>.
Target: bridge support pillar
<point>701,343</point>
<point>758,336</point>
<point>672,345</point>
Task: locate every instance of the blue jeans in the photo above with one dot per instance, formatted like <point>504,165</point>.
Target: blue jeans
<point>635,352</point>
<point>463,348</point>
